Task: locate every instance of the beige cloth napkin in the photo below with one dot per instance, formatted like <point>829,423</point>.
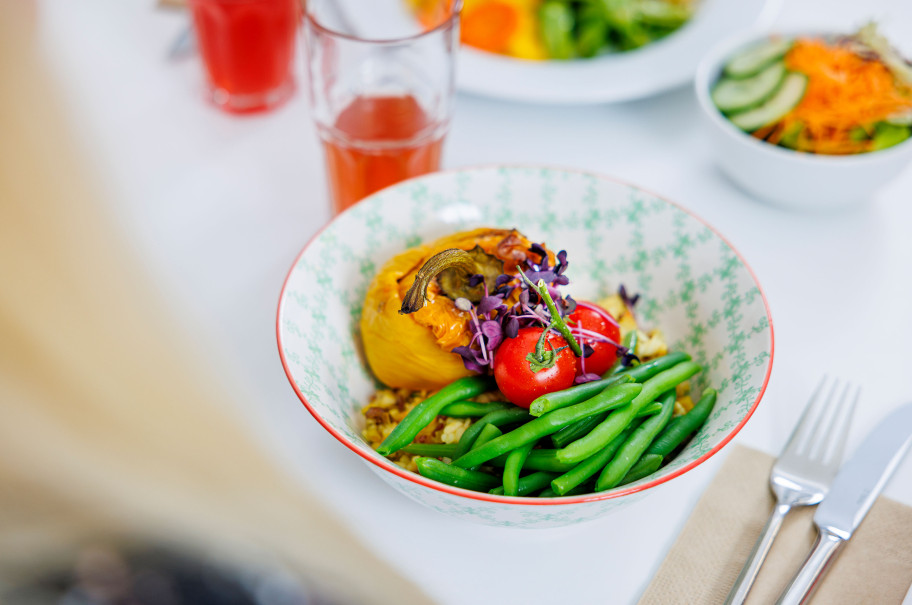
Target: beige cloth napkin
<point>112,424</point>
<point>875,566</point>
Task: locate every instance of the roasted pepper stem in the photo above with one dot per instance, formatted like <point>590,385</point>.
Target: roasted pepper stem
<point>456,267</point>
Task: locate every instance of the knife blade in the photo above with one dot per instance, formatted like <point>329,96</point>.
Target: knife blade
<point>852,493</point>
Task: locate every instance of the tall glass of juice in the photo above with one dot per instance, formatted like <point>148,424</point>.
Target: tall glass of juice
<point>381,88</point>
<point>247,48</point>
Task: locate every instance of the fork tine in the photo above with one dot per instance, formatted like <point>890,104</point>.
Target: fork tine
<point>823,437</point>
<point>840,439</point>
<point>803,431</point>
<point>813,436</point>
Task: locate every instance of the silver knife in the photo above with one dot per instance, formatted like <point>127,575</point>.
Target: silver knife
<point>852,493</point>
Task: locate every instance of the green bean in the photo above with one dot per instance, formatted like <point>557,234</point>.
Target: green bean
<point>538,460</point>
<point>556,23</point>
<point>591,30</point>
<point>432,450</point>
<point>468,438</point>
<point>503,417</point>
<point>422,414</point>
<point>645,466</point>
<point>583,488</point>
<point>487,433</point>
<point>551,422</point>
<point>629,342</point>
<point>635,445</point>
<point>575,394</point>
<point>647,370</point>
<point>472,409</point>
<point>618,420</point>
<point>650,409</point>
<point>528,484</point>
<point>591,465</point>
<point>513,466</point>
<point>453,475</point>
<point>681,427</point>
<point>573,432</point>
<point>569,434</point>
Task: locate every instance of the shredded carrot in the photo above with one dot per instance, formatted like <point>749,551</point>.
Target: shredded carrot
<point>845,91</point>
<point>765,132</point>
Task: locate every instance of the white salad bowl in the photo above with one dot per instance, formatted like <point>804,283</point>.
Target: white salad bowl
<point>693,285</point>
<point>782,176</point>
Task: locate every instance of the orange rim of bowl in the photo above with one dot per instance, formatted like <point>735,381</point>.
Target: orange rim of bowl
<point>388,465</point>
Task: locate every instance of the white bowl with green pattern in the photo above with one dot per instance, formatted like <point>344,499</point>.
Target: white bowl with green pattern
<point>693,285</point>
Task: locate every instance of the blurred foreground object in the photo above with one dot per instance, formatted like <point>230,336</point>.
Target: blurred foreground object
<point>112,428</point>
<point>381,89</point>
<point>247,47</point>
<point>101,574</point>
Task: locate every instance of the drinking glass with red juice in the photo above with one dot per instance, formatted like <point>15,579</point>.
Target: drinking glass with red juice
<point>247,48</point>
<point>381,89</point>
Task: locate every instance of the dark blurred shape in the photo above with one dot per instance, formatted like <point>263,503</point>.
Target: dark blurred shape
<point>107,575</point>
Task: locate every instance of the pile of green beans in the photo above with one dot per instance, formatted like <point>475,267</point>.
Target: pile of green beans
<point>605,433</point>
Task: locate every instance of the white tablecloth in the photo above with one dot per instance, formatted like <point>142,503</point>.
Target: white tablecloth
<point>218,207</point>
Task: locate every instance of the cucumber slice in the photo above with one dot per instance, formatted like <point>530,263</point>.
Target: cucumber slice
<point>901,119</point>
<point>786,98</point>
<point>887,135</point>
<point>753,60</point>
<point>737,95</point>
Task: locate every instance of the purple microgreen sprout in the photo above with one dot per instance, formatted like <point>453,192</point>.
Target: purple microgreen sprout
<point>629,301</point>
<point>492,320</point>
<point>463,304</point>
<point>586,378</point>
<point>479,335</point>
<point>557,322</point>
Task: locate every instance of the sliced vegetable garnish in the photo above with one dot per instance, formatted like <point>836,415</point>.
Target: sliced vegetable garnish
<point>887,135</point>
<point>753,60</point>
<point>786,98</point>
<point>732,95</point>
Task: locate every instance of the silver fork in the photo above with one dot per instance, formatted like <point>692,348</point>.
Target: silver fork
<point>805,469</point>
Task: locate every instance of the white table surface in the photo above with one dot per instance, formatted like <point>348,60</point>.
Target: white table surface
<point>218,207</point>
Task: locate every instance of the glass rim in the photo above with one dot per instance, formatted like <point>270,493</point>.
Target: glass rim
<point>456,8</point>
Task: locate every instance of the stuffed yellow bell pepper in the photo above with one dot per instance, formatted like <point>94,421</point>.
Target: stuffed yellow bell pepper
<point>408,329</point>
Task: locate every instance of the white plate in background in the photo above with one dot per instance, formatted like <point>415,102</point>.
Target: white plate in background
<point>659,66</point>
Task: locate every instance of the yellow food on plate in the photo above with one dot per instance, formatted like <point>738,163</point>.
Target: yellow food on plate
<point>650,344</point>
<point>413,350</point>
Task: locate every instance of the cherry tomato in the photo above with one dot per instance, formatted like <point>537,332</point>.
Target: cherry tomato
<point>514,373</point>
<point>595,319</point>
